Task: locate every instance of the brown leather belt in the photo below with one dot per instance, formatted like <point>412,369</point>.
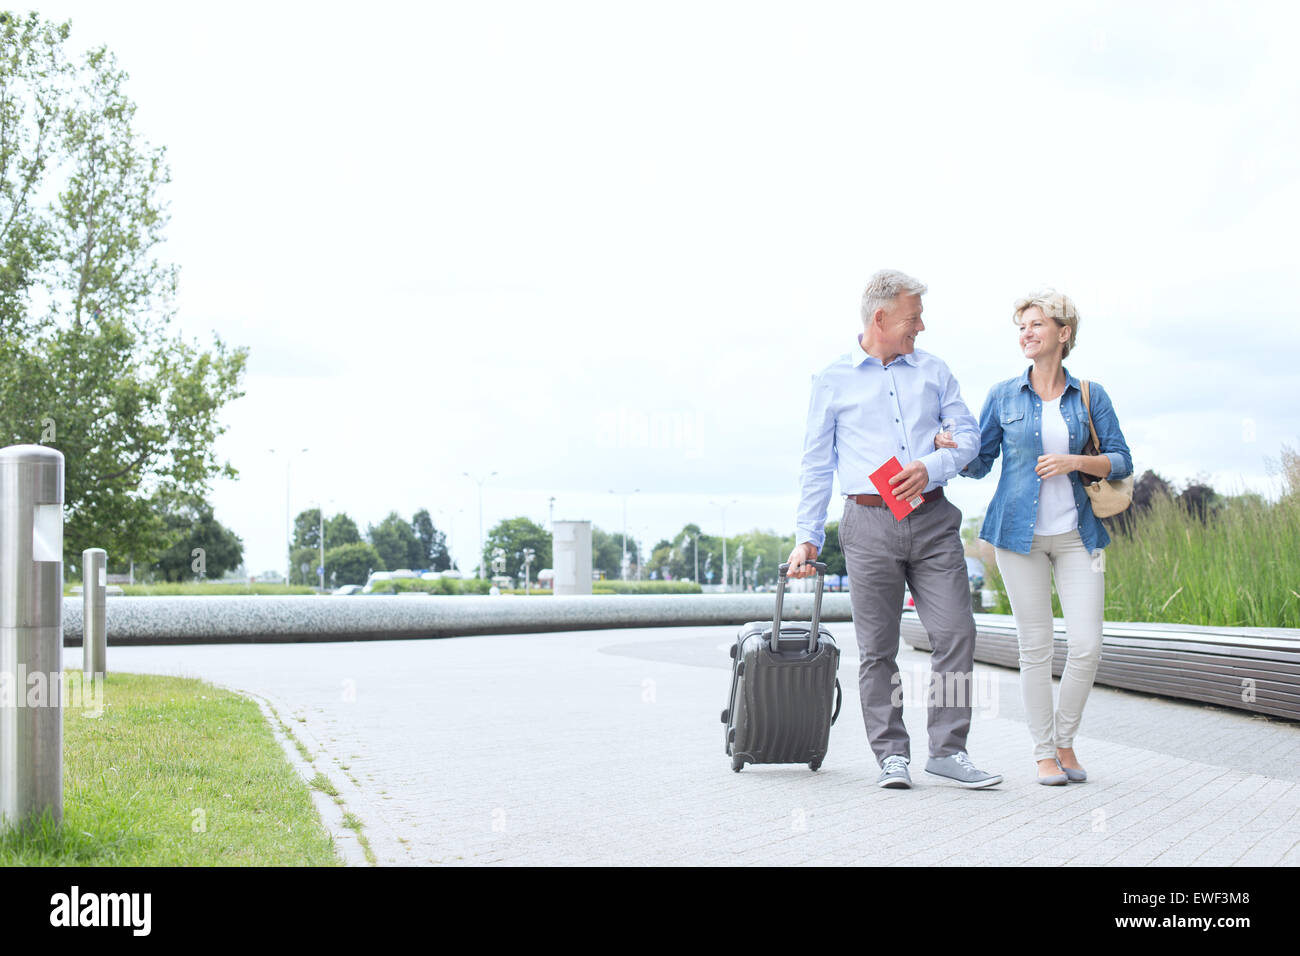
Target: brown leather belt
<point>875,501</point>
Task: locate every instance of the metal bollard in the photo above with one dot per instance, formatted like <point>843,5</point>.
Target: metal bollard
<point>94,631</point>
<point>31,633</point>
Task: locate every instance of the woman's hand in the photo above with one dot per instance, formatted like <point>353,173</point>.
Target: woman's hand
<point>1049,466</point>
<point>945,440</point>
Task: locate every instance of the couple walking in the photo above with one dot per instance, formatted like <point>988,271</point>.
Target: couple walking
<point>887,399</point>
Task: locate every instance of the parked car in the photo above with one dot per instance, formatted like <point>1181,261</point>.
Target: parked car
<point>375,576</point>
<point>348,589</point>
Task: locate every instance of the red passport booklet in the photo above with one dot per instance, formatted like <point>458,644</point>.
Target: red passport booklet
<point>880,478</point>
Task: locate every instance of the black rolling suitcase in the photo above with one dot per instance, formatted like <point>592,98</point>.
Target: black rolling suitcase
<point>783,688</point>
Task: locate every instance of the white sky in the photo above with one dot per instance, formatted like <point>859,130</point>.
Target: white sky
<point>603,246</point>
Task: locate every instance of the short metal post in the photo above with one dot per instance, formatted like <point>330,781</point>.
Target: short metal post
<point>31,633</point>
<point>94,631</point>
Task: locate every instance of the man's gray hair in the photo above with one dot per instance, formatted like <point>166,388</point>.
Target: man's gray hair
<point>884,287</point>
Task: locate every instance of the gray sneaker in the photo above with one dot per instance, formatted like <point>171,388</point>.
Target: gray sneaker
<point>958,767</point>
<point>893,773</point>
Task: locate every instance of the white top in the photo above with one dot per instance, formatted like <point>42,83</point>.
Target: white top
<point>1057,513</point>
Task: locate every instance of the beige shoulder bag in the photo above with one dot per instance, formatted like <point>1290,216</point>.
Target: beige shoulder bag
<point>1109,496</point>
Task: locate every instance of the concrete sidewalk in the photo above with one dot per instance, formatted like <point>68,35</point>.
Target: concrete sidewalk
<point>605,747</point>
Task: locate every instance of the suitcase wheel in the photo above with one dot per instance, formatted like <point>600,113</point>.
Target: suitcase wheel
<point>816,764</point>
<point>740,669</point>
<point>726,716</point>
<point>732,651</point>
<point>737,763</point>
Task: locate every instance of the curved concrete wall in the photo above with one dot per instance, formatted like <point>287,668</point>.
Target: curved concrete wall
<point>269,619</point>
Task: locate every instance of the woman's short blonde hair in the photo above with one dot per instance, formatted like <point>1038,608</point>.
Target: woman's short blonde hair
<point>1056,306</point>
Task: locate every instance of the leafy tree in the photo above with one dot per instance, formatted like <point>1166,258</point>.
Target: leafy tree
<point>340,530</point>
<point>681,556</point>
<point>433,543</point>
<point>1146,488</point>
<point>190,524</point>
<point>660,560</point>
<point>310,557</point>
<point>830,552</point>
<point>93,370</point>
<point>607,552</point>
<point>1200,500</point>
<point>513,535</point>
<point>396,543</point>
<point>306,529</point>
<point>770,547</point>
<point>351,563</point>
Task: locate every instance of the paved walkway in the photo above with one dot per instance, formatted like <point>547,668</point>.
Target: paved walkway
<point>604,747</point>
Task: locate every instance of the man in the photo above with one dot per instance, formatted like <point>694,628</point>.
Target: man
<point>886,399</point>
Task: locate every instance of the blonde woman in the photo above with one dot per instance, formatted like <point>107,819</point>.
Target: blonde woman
<point>1040,520</point>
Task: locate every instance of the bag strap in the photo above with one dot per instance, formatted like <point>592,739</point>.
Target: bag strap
<point>1087,407</point>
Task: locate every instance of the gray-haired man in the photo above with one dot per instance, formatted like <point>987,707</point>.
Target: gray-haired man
<point>885,399</point>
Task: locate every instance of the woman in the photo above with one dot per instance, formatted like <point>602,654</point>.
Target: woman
<point>1040,520</point>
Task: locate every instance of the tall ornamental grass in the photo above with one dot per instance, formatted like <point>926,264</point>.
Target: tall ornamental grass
<point>1239,567</point>
<point>1236,565</point>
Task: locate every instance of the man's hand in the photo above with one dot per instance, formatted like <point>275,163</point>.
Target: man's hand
<point>911,481</point>
<point>801,561</point>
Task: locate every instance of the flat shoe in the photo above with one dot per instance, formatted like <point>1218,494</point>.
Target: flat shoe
<point>1056,779</point>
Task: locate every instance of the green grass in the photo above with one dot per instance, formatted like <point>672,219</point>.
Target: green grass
<point>322,783</point>
<point>174,773</point>
<point>352,822</point>
<point>645,587</point>
<point>475,586</point>
<point>1240,567</point>
<point>440,586</point>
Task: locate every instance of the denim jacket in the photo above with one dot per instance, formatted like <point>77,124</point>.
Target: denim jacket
<point>1010,424</point>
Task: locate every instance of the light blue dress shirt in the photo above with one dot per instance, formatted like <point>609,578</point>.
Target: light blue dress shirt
<point>863,413</point>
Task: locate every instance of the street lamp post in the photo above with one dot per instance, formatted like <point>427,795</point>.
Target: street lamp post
<point>320,505</point>
<point>449,518</point>
<point>289,455</point>
<point>723,506</point>
<point>622,569</point>
<point>480,482</point>
<point>529,554</point>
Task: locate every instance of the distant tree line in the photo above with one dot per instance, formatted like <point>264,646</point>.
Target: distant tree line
<point>394,543</point>
<point>1197,498</point>
<point>752,557</point>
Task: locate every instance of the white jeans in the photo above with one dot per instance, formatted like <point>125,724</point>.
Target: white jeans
<point>1081,584</point>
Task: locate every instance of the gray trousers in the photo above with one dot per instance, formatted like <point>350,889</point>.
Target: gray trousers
<point>923,552</point>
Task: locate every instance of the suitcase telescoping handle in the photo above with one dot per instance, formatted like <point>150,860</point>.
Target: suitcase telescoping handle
<point>782,571</point>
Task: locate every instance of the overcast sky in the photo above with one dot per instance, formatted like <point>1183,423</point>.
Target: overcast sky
<point>604,245</point>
